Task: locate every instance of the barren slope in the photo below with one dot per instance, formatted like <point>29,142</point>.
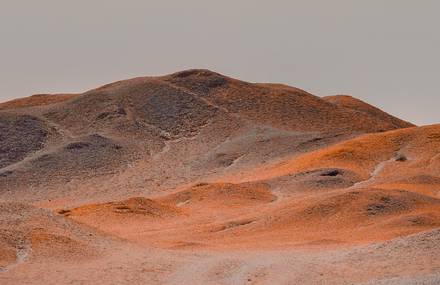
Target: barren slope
<point>392,193</point>
<point>198,178</point>
<point>358,105</point>
<point>36,100</point>
<point>168,131</point>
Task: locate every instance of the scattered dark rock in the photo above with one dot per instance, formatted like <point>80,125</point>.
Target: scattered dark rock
<point>5,173</point>
<point>200,184</point>
<point>333,172</point>
<point>117,147</point>
<point>401,158</point>
<point>226,159</point>
<point>77,145</point>
<point>165,136</point>
<point>374,209</point>
<point>103,115</point>
<point>64,212</point>
<point>120,111</point>
<point>316,139</point>
<point>326,178</point>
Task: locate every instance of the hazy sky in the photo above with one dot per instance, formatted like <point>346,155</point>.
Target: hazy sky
<point>385,52</point>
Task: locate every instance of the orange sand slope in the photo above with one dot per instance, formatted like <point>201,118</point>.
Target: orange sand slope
<point>363,212</point>
<point>199,178</point>
<point>36,100</point>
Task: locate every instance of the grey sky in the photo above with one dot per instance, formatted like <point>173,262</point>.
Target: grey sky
<point>383,51</point>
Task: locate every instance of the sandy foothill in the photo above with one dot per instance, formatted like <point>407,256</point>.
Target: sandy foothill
<point>199,178</point>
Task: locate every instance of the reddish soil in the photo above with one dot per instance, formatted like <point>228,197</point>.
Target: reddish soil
<point>198,178</point>
<point>36,100</point>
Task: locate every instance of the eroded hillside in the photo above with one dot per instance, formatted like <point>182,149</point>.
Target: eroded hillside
<point>199,178</point>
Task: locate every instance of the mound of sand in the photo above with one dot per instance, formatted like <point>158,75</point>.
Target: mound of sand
<point>221,195</point>
<point>29,233</point>
<point>347,218</point>
<point>412,151</point>
<point>137,206</point>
